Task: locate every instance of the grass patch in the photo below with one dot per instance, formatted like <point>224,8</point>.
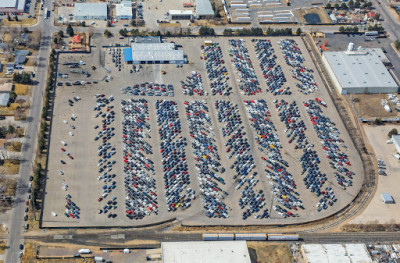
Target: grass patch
<point>2,247</point>
<point>10,167</point>
<point>21,89</point>
<point>9,185</point>
<point>7,111</point>
<point>21,22</point>
<point>15,146</point>
<point>263,252</point>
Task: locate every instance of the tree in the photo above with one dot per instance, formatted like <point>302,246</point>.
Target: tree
<point>343,6</point>
<point>108,23</point>
<point>16,18</point>
<point>123,32</point>
<point>133,22</point>
<point>228,32</point>
<point>298,31</point>
<point>377,16</point>
<point>188,31</point>
<point>9,18</point>
<point>397,44</point>
<point>357,4</point>
<point>336,6</point>
<point>392,132</point>
<point>328,6</point>
<point>351,3</point>
<point>60,33</point>
<point>107,33</point>
<point>11,129</point>
<point>341,29</point>
<point>378,121</point>
<point>206,31</point>
<point>70,30</point>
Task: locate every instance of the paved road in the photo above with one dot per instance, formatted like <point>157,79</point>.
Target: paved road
<point>29,149</point>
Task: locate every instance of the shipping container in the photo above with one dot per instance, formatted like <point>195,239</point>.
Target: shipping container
<point>225,237</point>
<point>280,237</point>
<point>210,237</point>
<point>251,236</point>
<point>238,5</point>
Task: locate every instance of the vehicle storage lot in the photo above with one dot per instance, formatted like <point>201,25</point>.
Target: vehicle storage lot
<point>80,174</point>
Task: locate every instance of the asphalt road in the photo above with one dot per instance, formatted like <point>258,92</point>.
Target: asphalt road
<point>29,149</point>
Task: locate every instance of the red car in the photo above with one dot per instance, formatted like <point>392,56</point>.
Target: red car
<point>62,149</point>
<point>100,198</point>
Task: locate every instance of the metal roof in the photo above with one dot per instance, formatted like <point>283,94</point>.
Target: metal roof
<point>90,9</point>
<point>148,39</point>
<point>180,12</point>
<point>4,98</point>
<point>20,59</point>
<point>387,198</point>
<point>205,251</point>
<point>21,4</point>
<point>124,9</point>
<point>8,3</point>
<point>336,253</point>
<point>357,69</point>
<point>156,52</point>
<point>203,7</point>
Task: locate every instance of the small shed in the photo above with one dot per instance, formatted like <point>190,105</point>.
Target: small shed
<point>387,198</point>
<point>19,60</point>
<point>21,52</point>
<point>10,66</point>
<point>6,87</point>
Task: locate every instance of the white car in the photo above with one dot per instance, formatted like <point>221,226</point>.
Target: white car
<point>71,133</point>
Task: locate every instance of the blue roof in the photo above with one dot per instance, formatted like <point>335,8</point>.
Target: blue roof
<point>128,54</point>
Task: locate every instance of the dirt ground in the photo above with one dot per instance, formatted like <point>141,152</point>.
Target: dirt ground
<point>319,11</point>
<point>265,252</point>
<point>376,211</point>
<point>10,167</point>
<point>369,106</point>
<point>80,174</point>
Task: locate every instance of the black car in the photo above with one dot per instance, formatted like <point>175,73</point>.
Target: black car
<point>21,246</point>
<point>31,178</point>
<point>2,117</point>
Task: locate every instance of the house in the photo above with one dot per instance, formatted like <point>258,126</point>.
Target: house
<point>3,47</point>
<point>369,16</point>
<point>19,60</point>
<point>21,52</point>
<point>4,98</point>
<point>77,42</point>
<point>90,11</point>
<point>10,66</point>
<point>6,87</point>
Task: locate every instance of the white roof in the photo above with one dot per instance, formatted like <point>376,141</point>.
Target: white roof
<point>336,253</point>
<point>180,12</point>
<point>357,69</point>
<point>8,3</point>
<point>90,9</point>
<point>205,252</point>
<point>156,52</point>
<point>4,97</point>
<point>203,7</point>
<point>124,9</point>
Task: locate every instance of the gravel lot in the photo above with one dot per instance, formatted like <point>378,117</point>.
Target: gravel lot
<point>80,173</point>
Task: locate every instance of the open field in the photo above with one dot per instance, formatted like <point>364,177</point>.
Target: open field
<point>324,17</point>
<point>79,175</point>
<point>264,252</point>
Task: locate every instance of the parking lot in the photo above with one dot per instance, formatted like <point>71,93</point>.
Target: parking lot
<point>223,147</point>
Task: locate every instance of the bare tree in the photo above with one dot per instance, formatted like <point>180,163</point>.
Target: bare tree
<point>35,39</point>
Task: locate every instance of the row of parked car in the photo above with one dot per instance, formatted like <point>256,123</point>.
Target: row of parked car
<point>173,154</point>
<point>282,183</point>
<point>237,145</point>
<point>105,110</point>
<point>149,89</point>
<point>208,164</point>
<point>193,84</point>
<point>140,186</point>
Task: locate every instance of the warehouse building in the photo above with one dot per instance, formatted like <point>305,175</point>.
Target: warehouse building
<point>205,251</point>
<point>180,14</point>
<point>334,253</point>
<point>12,6</point>
<point>387,198</point>
<point>124,10</point>
<point>204,9</point>
<point>153,53</point>
<point>90,11</point>
<point>358,71</point>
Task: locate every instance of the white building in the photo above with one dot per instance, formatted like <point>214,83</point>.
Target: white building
<point>205,252</point>
<point>334,253</point>
<point>359,71</point>
<point>204,9</point>
<point>124,10</point>
<point>181,14</point>
<point>396,142</point>
<point>12,6</point>
<point>90,11</point>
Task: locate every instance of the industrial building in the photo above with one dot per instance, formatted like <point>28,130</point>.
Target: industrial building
<point>153,52</point>
<point>334,253</point>
<point>358,71</point>
<point>181,14</point>
<point>4,98</point>
<point>124,10</point>
<point>205,251</point>
<point>204,9</point>
<point>12,6</point>
<point>387,198</point>
<point>90,11</point>
<point>396,142</point>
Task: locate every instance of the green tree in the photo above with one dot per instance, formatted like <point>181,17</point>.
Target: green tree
<point>107,33</point>
<point>123,32</point>
<point>227,32</point>
<point>328,6</point>
<point>60,33</point>
<point>336,6</point>
<point>11,129</point>
<point>206,31</point>
<point>70,30</point>
<point>378,121</point>
<point>298,31</point>
<point>9,18</point>
<point>133,22</point>
<point>16,18</point>
<point>393,132</point>
<point>377,16</point>
<point>397,44</point>
<point>357,4</point>
<point>351,3</point>
<point>341,29</point>
<point>188,31</point>
<point>343,6</point>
